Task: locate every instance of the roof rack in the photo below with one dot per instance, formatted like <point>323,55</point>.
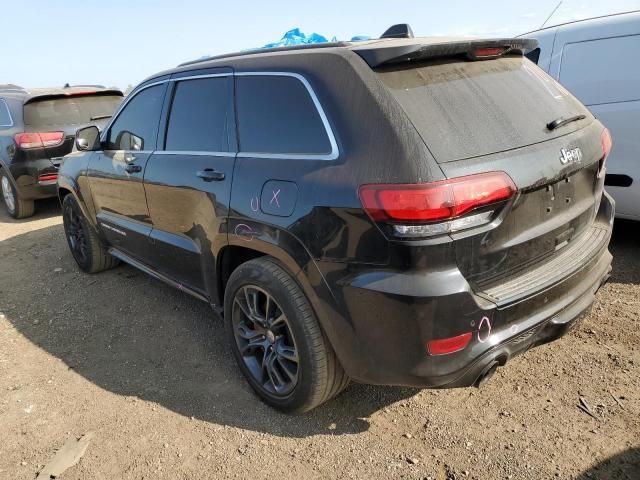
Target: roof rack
<point>10,87</point>
<point>66,85</point>
<point>253,51</point>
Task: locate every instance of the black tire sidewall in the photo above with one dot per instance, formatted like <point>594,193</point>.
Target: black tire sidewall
<point>251,274</point>
<point>70,203</point>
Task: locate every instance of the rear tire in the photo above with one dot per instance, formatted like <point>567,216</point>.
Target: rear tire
<point>89,252</point>
<point>16,206</point>
<point>275,336</point>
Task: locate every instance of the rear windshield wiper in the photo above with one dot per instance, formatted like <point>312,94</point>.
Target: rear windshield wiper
<point>562,121</point>
<point>99,117</point>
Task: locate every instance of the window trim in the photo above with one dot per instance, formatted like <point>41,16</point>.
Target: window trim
<point>6,105</point>
<point>333,155</point>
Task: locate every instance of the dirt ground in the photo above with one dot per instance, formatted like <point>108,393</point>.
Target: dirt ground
<point>145,368</point>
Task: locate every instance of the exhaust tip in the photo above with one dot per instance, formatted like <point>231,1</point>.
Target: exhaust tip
<point>486,374</point>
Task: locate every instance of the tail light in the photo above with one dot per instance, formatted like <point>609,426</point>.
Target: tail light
<point>427,209</point>
<point>39,140</point>
<point>48,177</point>
<point>607,143</point>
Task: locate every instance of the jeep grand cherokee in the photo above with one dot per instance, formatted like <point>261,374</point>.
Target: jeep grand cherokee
<point>405,211</point>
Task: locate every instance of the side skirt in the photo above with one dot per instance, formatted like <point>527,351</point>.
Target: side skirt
<point>149,271</point>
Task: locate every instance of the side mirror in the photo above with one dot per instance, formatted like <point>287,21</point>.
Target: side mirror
<point>88,138</point>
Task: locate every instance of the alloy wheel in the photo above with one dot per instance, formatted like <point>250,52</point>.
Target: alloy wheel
<point>7,194</point>
<point>76,235</point>
<point>265,340</point>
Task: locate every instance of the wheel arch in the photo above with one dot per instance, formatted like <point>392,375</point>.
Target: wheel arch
<point>290,253</point>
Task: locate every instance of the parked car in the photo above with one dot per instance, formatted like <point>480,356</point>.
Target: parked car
<point>37,128</point>
<point>597,60</point>
<point>393,211</point>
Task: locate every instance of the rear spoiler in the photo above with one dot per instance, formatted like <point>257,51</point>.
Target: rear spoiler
<point>377,56</point>
<point>76,93</point>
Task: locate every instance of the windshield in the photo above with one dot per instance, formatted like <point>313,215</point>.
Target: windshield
<point>74,110</point>
<point>465,109</point>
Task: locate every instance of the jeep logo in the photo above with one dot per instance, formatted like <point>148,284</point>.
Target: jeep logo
<point>573,155</point>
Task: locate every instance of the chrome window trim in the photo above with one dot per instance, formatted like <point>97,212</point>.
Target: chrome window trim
<point>195,152</point>
<point>6,105</point>
<point>333,155</point>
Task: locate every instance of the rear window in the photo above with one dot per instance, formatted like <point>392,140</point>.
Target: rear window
<point>277,115</point>
<point>75,110</point>
<point>201,115</point>
<point>468,109</point>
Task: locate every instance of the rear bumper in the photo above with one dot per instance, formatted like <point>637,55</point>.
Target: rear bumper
<point>392,315</point>
<point>26,174</point>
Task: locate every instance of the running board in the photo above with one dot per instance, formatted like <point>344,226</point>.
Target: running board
<point>149,271</point>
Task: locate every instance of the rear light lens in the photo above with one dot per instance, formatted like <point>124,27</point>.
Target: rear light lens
<point>39,140</point>
<point>446,202</point>
<point>488,52</point>
<point>48,177</point>
<point>445,346</point>
<point>606,142</point>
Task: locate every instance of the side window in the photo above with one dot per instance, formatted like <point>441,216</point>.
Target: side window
<point>136,127</point>
<point>5,116</point>
<point>600,71</point>
<point>277,115</point>
<point>534,55</point>
<point>200,118</point>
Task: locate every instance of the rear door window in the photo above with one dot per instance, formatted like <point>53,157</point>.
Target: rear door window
<point>465,109</point>
<point>602,71</point>
<point>136,127</point>
<point>276,115</point>
<point>73,110</point>
<point>5,116</point>
<point>200,118</point>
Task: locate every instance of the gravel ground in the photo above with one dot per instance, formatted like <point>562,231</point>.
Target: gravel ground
<point>145,368</point>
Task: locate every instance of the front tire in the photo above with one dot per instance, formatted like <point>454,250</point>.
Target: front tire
<point>89,252</point>
<point>276,339</point>
<point>16,206</point>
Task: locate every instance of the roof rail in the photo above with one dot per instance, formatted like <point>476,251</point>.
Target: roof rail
<point>12,87</point>
<point>66,85</point>
<point>253,51</point>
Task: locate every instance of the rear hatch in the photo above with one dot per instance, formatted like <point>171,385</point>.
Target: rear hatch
<point>55,118</point>
<point>492,115</point>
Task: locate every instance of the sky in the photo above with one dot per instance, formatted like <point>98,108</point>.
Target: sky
<point>118,42</point>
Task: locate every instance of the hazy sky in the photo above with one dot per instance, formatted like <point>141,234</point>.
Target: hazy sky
<point>118,42</point>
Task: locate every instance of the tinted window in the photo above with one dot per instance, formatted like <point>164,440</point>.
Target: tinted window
<point>76,110</point>
<point>200,115</point>
<point>5,118</point>
<point>534,55</point>
<point>467,109</point>
<point>136,127</point>
<point>602,71</point>
<point>277,115</point>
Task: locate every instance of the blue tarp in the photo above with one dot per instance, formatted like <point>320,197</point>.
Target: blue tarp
<point>296,37</point>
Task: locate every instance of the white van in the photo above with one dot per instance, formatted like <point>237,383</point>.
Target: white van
<point>598,60</point>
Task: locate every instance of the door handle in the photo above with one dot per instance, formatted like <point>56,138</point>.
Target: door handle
<point>132,168</point>
<point>210,175</point>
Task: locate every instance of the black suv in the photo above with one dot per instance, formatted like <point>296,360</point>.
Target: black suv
<point>411,211</point>
<point>37,128</point>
